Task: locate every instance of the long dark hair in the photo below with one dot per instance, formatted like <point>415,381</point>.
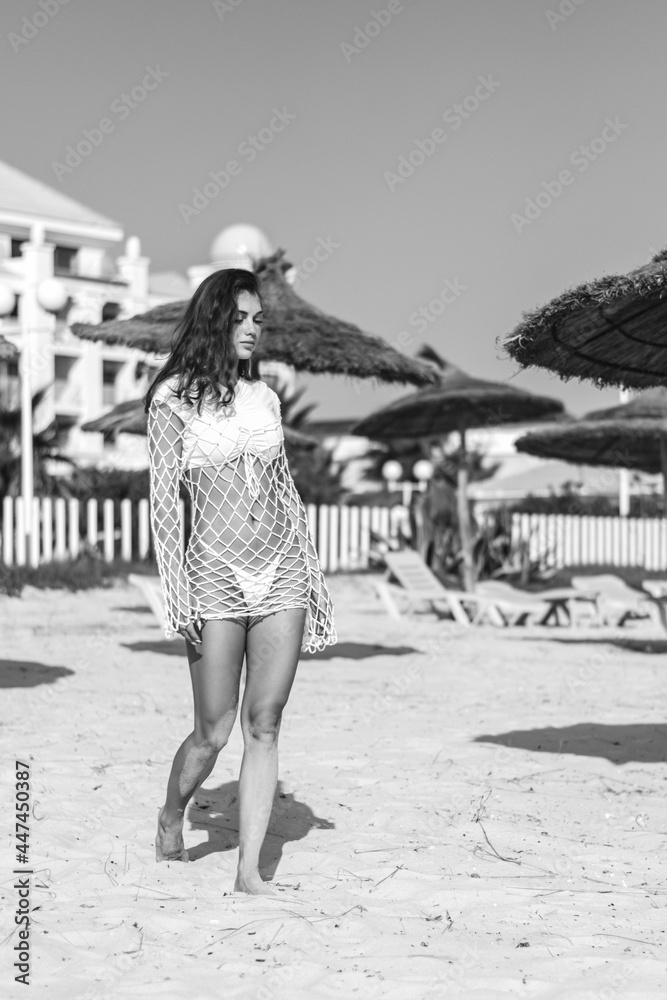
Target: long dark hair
<point>202,352</point>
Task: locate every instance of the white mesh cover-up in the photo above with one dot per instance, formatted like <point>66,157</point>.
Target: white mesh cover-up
<point>250,550</point>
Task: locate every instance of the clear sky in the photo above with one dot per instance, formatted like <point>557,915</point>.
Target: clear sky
<point>534,80</point>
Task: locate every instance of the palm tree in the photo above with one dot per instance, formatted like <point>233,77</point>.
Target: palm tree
<point>316,476</point>
<point>435,513</point>
<point>45,450</point>
<point>293,417</point>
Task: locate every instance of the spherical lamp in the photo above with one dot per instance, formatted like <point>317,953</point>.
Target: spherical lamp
<point>422,470</point>
<point>392,472</point>
<point>7,300</point>
<point>52,295</point>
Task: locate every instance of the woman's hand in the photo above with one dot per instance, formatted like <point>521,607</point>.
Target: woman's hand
<point>192,631</point>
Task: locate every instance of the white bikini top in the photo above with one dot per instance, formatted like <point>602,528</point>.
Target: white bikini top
<point>250,427</point>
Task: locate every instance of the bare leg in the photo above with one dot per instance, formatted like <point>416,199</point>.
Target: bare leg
<point>272,655</point>
<point>215,670</point>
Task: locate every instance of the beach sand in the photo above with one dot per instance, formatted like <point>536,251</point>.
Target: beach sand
<point>474,813</point>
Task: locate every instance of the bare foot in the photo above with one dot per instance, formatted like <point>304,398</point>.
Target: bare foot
<point>253,884</point>
<point>169,844</point>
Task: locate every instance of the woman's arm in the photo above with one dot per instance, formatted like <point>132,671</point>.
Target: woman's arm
<point>320,630</point>
<point>165,442</point>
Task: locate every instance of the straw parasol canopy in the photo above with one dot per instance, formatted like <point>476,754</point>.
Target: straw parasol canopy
<point>294,332</point>
<point>630,436</point>
<point>8,351</point>
<point>129,418</point>
<point>612,331</point>
<point>457,403</point>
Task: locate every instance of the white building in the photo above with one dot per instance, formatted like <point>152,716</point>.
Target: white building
<point>105,278</point>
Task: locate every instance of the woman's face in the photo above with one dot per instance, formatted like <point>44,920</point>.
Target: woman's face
<point>247,325</point>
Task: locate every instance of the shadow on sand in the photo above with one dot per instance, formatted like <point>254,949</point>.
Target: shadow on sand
<point>171,647</point>
<point>29,673</point>
<point>348,650</point>
<point>636,645</point>
<point>216,811</point>
<point>358,651</point>
<point>642,741</point>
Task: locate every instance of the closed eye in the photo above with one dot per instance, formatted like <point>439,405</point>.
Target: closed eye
<point>259,319</point>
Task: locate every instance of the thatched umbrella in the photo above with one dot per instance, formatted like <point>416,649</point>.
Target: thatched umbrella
<point>294,332</point>
<point>457,403</point>
<point>129,418</point>
<point>612,331</point>
<point>630,436</point>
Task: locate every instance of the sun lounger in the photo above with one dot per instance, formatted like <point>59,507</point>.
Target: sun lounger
<point>657,589</point>
<point>616,601</point>
<point>545,605</point>
<point>152,591</point>
<point>419,584</point>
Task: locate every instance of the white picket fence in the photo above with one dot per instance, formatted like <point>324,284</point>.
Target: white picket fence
<point>556,540</point>
<point>342,533</point>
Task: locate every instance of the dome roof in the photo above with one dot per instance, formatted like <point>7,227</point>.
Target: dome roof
<point>239,245</point>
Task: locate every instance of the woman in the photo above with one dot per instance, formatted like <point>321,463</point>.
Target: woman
<point>249,583</point>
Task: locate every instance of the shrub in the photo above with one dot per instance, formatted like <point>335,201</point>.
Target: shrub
<point>85,572</point>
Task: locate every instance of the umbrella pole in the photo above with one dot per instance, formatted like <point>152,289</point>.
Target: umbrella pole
<point>465,528</point>
<point>663,464</point>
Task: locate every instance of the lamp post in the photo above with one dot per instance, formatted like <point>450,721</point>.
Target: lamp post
<point>41,294</point>
<point>392,472</point>
<point>422,470</point>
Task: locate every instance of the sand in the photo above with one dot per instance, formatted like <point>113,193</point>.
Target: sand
<point>473,813</point>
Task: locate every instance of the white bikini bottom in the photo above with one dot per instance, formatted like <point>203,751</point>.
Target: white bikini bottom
<point>247,587</point>
<point>255,584</point>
